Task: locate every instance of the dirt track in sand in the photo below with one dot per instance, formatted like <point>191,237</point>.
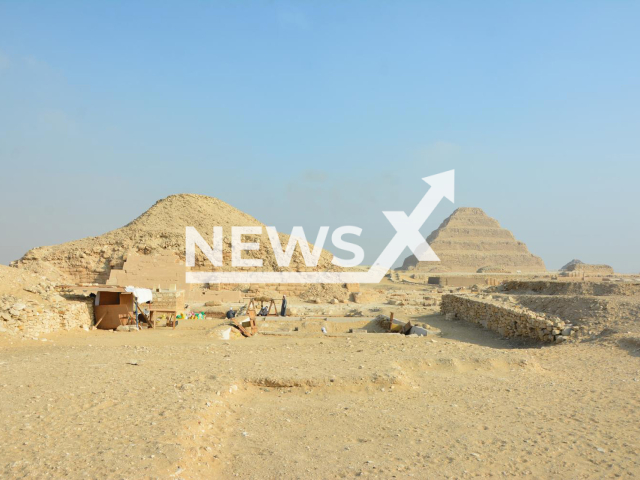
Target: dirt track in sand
<point>181,404</point>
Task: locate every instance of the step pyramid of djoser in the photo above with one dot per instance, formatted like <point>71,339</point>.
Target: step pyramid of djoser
<point>469,240</point>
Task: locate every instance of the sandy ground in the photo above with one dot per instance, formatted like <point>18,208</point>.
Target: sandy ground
<point>183,404</point>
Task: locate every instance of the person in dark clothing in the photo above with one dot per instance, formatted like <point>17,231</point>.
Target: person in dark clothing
<point>231,314</point>
<point>283,310</point>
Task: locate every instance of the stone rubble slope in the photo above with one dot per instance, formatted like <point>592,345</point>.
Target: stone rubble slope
<point>158,230</point>
<point>30,305</point>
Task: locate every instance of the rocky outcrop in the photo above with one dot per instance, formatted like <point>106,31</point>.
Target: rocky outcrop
<point>469,241</point>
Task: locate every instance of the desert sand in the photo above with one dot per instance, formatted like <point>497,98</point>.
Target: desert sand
<point>181,403</point>
<point>546,385</point>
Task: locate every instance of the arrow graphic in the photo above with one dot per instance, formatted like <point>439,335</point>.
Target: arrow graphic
<point>408,227</point>
<point>407,235</point>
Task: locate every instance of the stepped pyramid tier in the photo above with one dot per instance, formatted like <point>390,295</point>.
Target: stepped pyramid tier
<point>152,247</point>
<point>471,241</point>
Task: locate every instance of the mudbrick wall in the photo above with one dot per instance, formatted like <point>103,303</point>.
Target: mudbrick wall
<point>32,319</point>
<point>507,319</point>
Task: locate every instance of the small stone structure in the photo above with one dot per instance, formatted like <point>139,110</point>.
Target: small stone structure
<point>370,296</point>
<point>508,319</point>
<point>456,281</point>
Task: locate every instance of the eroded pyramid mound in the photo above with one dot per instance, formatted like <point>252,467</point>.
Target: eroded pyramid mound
<point>470,241</point>
<point>576,265</point>
<point>156,238</point>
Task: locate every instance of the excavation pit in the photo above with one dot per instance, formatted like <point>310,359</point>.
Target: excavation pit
<point>310,326</point>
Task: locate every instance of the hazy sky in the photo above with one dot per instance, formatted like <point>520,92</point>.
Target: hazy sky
<point>324,113</point>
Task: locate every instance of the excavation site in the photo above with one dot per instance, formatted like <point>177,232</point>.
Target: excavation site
<point>319,239</point>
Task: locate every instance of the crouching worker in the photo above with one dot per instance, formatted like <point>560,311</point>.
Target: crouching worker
<point>264,311</point>
<point>231,314</point>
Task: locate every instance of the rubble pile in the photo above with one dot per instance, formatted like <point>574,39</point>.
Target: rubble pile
<point>30,305</point>
<point>326,292</point>
<point>33,319</point>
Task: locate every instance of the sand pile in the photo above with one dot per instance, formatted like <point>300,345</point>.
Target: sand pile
<point>469,241</point>
<point>30,305</point>
<point>157,232</point>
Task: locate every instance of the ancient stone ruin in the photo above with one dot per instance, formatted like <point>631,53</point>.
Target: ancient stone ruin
<point>31,306</point>
<point>150,251</point>
<point>508,319</point>
<point>470,241</point>
<point>578,267</point>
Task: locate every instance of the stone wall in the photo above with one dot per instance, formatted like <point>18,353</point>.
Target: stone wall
<point>150,271</point>
<point>459,280</point>
<point>369,296</point>
<point>32,319</point>
<point>292,289</point>
<point>505,318</point>
<point>546,287</point>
